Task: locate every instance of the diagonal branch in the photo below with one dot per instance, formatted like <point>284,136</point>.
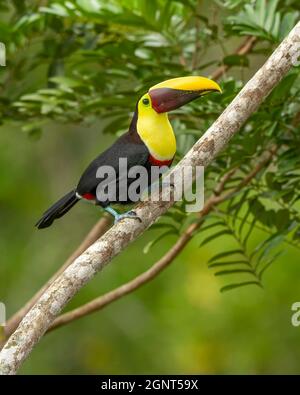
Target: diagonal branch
<point>97,231</point>
<point>117,238</point>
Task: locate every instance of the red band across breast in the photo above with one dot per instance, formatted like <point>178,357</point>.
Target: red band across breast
<point>89,196</point>
<point>157,162</point>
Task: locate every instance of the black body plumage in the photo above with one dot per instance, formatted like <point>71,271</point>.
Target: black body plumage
<point>129,146</point>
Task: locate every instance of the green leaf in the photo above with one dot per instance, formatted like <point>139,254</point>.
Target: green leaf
<point>238,285</point>
<point>230,4</point>
<point>261,11</point>
<point>287,23</point>
<point>210,226</point>
<point>92,6</point>
<point>225,254</point>
<point>244,220</point>
<point>55,9</point>
<point>26,20</point>
<point>236,60</point>
<point>33,97</point>
<point>149,9</point>
<point>270,17</point>
<point>234,271</point>
<point>66,81</point>
<point>151,243</point>
<point>261,21</point>
<point>269,263</point>
<point>163,225</point>
<point>166,14</point>
<point>266,246</point>
<point>283,88</point>
<point>248,234</point>
<point>282,219</point>
<point>219,264</point>
<point>276,26</point>
<point>250,12</point>
<point>214,236</point>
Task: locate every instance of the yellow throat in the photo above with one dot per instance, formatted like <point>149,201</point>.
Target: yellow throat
<point>156,132</point>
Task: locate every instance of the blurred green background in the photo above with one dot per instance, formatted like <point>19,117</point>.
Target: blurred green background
<point>180,322</point>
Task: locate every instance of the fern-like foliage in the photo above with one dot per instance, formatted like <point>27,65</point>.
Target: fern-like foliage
<point>262,19</point>
<point>244,258</point>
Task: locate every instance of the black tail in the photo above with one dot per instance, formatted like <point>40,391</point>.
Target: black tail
<point>58,209</point>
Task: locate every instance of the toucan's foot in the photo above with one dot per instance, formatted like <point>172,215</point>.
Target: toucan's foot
<point>118,217</point>
<point>130,214</point>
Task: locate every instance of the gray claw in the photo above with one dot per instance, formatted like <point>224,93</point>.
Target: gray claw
<point>130,214</point>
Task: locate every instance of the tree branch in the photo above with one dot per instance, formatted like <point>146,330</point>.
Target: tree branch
<point>117,238</point>
<point>98,230</point>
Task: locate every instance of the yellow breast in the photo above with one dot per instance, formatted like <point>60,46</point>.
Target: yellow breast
<point>157,134</point>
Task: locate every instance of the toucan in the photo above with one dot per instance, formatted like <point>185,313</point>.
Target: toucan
<point>149,141</point>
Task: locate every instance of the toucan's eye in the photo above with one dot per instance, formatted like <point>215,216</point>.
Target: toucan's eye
<point>146,101</point>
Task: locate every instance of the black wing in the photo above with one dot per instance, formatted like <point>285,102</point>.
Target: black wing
<point>127,146</point>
